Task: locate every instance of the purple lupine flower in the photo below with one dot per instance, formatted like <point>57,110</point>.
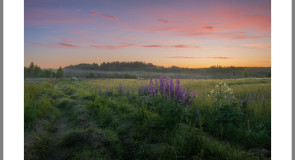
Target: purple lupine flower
<point>120,89</point>
<point>151,88</point>
<point>191,99</point>
<point>198,113</point>
<point>156,86</point>
<point>226,98</point>
<point>244,101</point>
<point>153,124</point>
<point>171,89</point>
<point>99,92</point>
<point>146,89</point>
<point>161,85</point>
<point>107,92</point>
<point>183,100</point>
<point>262,96</point>
<point>250,98</point>
<point>177,89</point>
<point>187,92</point>
<point>167,87</point>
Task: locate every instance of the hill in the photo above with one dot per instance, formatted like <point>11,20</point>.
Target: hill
<point>145,70</point>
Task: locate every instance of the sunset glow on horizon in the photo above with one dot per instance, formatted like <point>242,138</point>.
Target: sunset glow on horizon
<point>188,33</point>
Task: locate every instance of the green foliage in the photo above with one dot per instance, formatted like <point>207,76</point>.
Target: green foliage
<point>132,70</point>
<point>245,73</point>
<point>39,148</point>
<point>59,73</point>
<point>38,105</point>
<point>90,75</point>
<point>131,126</point>
<point>92,142</point>
<point>47,73</point>
<point>34,71</point>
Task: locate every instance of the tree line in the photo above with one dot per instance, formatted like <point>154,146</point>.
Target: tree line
<point>217,71</point>
<point>34,71</point>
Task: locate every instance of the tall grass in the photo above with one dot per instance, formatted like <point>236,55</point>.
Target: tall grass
<point>122,124</point>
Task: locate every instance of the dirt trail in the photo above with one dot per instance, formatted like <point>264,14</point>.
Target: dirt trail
<point>62,127</point>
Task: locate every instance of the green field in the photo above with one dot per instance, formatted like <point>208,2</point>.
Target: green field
<point>96,119</point>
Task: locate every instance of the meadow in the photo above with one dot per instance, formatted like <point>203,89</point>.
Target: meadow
<point>161,118</point>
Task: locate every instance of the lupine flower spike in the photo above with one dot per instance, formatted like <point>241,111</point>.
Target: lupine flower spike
<point>151,88</point>
<point>171,89</point>
<point>156,86</point>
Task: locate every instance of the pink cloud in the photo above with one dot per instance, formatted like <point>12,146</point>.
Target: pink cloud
<point>253,45</point>
<point>153,46</point>
<point>259,45</point>
<point>59,45</point>
<point>184,46</point>
<point>103,15</point>
<point>172,46</point>
<point>241,32</point>
<point>208,28</point>
<point>219,21</point>
<point>78,10</point>
<point>111,46</point>
<point>111,17</point>
<point>79,38</point>
<point>183,57</point>
<point>163,21</point>
<point>77,31</point>
<point>94,13</point>
<point>68,45</point>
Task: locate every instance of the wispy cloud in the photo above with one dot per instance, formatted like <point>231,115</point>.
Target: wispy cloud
<point>111,17</point>
<point>185,46</point>
<point>94,13</point>
<point>68,45</point>
<point>252,45</point>
<point>153,46</point>
<point>163,21</point>
<point>184,57</point>
<point>181,57</point>
<point>171,46</point>
<point>208,28</point>
<point>58,45</point>
<point>111,46</point>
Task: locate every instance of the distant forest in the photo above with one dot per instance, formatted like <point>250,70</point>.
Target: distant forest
<point>34,71</point>
<point>135,67</point>
<point>133,70</point>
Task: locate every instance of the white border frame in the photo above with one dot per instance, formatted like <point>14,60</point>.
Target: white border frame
<point>14,82</point>
<point>13,67</point>
<point>281,49</point>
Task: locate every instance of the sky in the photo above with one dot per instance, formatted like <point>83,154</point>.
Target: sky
<point>186,33</point>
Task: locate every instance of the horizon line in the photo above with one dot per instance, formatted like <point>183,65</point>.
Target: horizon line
<point>223,66</point>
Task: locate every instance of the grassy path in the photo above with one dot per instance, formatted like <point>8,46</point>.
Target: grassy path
<point>63,126</point>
